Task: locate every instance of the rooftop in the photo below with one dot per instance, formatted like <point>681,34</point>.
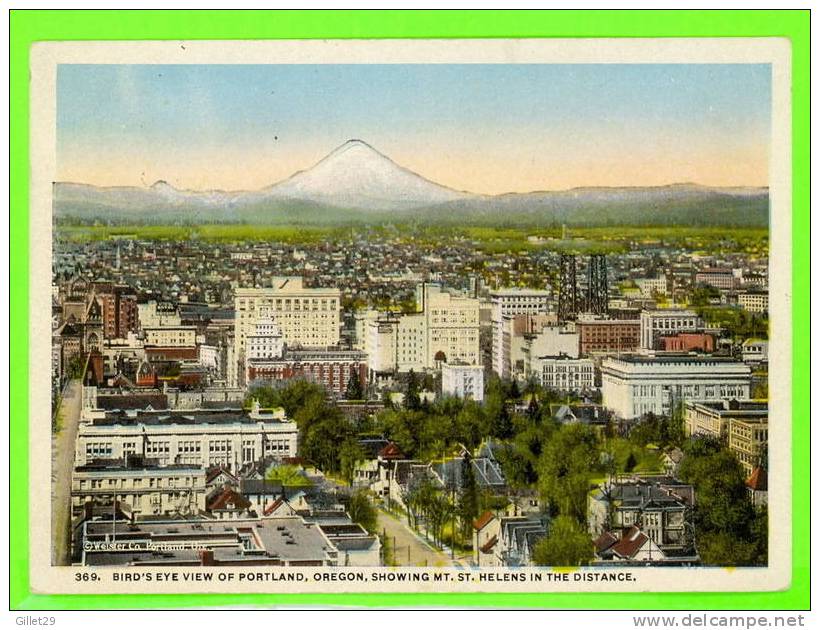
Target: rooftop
<point>288,539</point>
<point>187,417</point>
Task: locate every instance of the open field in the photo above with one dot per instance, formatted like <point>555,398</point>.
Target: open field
<point>580,239</point>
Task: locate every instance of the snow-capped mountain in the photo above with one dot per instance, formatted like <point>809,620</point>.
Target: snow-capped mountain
<point>355,182</point>
<point>355,175</point>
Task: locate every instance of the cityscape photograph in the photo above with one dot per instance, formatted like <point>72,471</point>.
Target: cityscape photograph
<point>481,316</point>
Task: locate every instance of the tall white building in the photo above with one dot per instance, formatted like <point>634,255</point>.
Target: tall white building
<point>446,329</point>
<point>464,381</point>
<point>657,323</point>
<point>506,303</point>
<point>634,385</point>
<point>452,324</point>
<point>266,341</point>
<point>305,316</point>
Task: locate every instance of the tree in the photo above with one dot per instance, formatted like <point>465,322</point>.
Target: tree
<point>565,468</point>
<point>349,455</point>
<point>438,511</point>
<point>514,392</point>
<point>288,476</point>
<point>631,462</point>
<point>533,410</point>
<point>730,531</point>
<point>468,495</point>
<point>567,545</point>
<point>354,388</point>
<point>294,395</point>
<point>75,367</point>
<point>502,427</point>
<point>361,511</point>
<point>412,401</point>
<point>323,429</point>
<point>723,503</point>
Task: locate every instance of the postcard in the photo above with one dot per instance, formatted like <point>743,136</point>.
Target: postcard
<point>411,316</point>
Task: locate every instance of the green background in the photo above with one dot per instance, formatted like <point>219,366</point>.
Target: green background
<point>27,27</point>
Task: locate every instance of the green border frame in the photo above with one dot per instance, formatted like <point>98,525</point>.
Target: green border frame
<point>30,26</point>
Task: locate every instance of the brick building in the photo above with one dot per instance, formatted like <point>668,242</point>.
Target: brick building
<point>329,367</point>
<point>608,335</point>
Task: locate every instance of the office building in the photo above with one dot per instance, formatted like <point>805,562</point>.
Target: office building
<point>634,385</point>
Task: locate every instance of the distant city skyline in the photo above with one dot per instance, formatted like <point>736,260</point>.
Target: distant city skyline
<point>483,128</point>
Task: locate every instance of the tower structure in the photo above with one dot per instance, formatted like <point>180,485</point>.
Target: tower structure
<point>567,288</point>
<point>597,298</point>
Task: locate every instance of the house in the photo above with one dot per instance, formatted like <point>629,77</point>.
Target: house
<point>356,546</point>
<point>228,504</point>
<point>486,532</point>
<point>217,477</point>
<point>378,453</point>
<point>671,460</point>
<point>659,506</point>
<point>627,546</point>
<point>506,541</point>
<point>519,535</point>
<point>486,470</point>
<point>758,487</point>
<point>585,413</point>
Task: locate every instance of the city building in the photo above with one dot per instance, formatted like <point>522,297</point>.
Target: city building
<point>755,351</point>
<point>155,314</point>
<point>564,373</point>
<point>687,342</point>
<point>445,329</point>
<point>665,322</point>
<point>265,342</point>
<point>119,309</point>
<point>196,437</point>
<point>146,487</point>
<point>462,380</point>
<point>507,303</point>
<point>288,541</point>
<point>634,385</point>
<point>754,301</point>
<point>330,367</point>
<point>718,277</point>
<point>650,287</point>
<point>170,336</point>
<point>308,317</point>
<point>523,344</point>
<point>749,440</point>
<point>525,336</point>
<point>713,417</point>
<point>607,336</point>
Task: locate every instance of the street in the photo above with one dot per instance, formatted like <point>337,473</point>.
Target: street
<point>62,462</point>
<point>410,548</point>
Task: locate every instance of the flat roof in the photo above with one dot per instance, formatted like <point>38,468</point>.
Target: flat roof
<point>192,417</point>
<point>289,538</point>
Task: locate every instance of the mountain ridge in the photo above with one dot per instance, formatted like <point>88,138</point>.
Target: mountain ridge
<point>357,180</point>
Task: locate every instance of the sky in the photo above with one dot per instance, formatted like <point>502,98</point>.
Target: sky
<point>482,128</point>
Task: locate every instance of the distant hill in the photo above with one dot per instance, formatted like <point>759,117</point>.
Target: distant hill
<point>357,184</point>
